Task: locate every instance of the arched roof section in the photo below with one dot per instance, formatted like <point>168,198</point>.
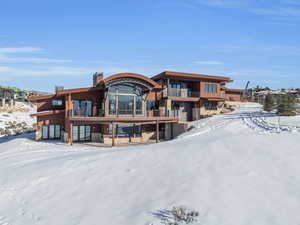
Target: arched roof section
<point>132,76</point>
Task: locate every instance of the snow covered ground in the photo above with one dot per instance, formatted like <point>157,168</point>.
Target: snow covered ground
<point>234,169</point>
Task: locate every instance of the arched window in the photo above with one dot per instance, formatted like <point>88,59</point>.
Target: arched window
<point>126,99</point>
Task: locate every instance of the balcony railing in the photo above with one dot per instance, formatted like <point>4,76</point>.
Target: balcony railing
<point>101,113</point>
<point>181,92</point>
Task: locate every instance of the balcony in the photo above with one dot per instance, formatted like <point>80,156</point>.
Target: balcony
<point>181,92</point>
<point>121,113</point>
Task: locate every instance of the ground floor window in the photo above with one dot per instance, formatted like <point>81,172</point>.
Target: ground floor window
<point>52,131</point>
<point>127,130</point>
<point>81,133</point>
<point>209,105</point>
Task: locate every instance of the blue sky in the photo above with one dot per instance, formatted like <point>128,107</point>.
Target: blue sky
<point>48,43</point>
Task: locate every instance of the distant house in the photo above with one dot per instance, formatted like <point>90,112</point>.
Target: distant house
<point>129,107</point>
<point>7,97</point>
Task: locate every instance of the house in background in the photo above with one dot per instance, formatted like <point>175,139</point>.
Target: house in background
<point>233,97</point>
<point>129,107</point>
<point>7,97</point>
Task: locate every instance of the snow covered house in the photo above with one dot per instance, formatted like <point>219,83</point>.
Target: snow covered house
<point>129,107</point>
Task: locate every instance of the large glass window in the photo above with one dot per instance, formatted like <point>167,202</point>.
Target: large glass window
<point>82,108</point>
<point>125,99</point>
<point>139,105</point>
<point>112,104</point>
<point>211,88</point>
<point>125,104</point>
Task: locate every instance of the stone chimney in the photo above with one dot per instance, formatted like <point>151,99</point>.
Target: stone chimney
<point>58,88</point>
<point>97,77</point>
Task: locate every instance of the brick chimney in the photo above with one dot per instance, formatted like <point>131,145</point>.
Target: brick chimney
<point>97,77</point>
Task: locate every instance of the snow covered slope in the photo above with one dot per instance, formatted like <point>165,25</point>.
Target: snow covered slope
<point>21,118</point>
<point>231,168</point>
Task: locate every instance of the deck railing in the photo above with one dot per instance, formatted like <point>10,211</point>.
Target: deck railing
<point>181,92</point>
<point>128,113</point>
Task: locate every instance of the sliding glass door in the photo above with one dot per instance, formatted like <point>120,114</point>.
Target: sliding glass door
<point>52,131</point>
<point>81,133</point>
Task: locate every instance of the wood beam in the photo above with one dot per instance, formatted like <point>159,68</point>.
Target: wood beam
<point>70,133</point>
<point>157,131</point>
<point>113,133</point>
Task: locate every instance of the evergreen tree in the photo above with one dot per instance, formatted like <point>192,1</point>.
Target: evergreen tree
<point>286,105</point>
<point>269,103</point>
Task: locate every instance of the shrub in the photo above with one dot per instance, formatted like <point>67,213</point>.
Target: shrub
<point>286,105</point>
<point>269,103</point>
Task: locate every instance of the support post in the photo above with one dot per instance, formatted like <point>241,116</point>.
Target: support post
<point>172,132</point>
<point>113,134</point>
<point>70,133</point>
<point>157,131</point>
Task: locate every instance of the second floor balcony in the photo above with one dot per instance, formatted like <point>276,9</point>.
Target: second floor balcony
<point>181,92</point>
<point>120,113</point>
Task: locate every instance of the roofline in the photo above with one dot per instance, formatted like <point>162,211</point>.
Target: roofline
<point>64,92</point>
<point>40,97</point>
<point>48,113</point>
<point>133,75</point>
<point>191,75</point>
<point>78,90</point>
<point>234,90</point>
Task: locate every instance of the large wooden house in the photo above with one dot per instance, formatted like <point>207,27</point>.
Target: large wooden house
<point>129,107</point>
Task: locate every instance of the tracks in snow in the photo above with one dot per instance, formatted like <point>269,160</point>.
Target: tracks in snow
<point>253,117</point>
<point>257,121</point>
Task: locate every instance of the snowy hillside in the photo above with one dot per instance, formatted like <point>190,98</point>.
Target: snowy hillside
<point>16,119</point>
<point>235,169</point>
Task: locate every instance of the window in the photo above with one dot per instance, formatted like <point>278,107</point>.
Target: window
<point>211,88</point>
<point>175,90</point>
<point>81,133</point>
<point>127,130</point>
<point>124,89</point>
<point>82,108</point>
<point>125,99</point>
<point>112,104</point>
<point>52,131</point>
<point>210,105</point>
<point>125,104</point>
<point>57,102</point>
<point>45,132</point>
<point>151,105</point>
<point>138,105</point>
